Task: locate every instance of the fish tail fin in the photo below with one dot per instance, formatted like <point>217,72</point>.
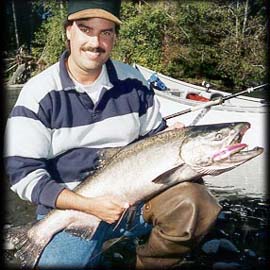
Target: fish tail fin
<point>27,250</point>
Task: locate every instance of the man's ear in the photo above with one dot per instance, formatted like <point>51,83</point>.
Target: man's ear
<point>68,34</point>
<point>114,40</point>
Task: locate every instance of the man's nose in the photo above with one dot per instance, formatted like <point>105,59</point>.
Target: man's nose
<point>94,41</point>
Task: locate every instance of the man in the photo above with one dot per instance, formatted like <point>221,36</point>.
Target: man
<point>64,116</point>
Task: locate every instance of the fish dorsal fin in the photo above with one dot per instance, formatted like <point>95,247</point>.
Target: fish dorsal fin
<point>106,154</point>
<point>165,177</point>
<point>109,152</point>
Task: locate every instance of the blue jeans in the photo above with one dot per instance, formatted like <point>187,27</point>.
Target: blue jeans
<point>66,250</point>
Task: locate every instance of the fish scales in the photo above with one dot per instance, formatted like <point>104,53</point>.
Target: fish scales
<point>130,165</point>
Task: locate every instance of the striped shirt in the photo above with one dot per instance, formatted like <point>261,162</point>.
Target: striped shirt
<point>55,131</point>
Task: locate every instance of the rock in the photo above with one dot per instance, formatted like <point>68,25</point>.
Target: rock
<point>226,266</point>
<point>219,245</point>
<point>118,256</point>
<point>224,215</point>
<point>250,253</point>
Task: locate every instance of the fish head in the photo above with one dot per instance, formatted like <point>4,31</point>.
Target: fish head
<point>214,149</point>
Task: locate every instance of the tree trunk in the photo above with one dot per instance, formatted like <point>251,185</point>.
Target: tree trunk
<point>15,24</point>
<point>237,25</point>
<point>62,16</point>
<point>245,17</point>
<point>236,21</point>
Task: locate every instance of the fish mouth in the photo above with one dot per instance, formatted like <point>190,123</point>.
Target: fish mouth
<point>234,152</point>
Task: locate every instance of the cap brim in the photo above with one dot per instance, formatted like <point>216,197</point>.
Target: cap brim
<point>94,13</point>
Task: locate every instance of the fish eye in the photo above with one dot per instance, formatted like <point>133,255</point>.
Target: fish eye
<point>219,136</point>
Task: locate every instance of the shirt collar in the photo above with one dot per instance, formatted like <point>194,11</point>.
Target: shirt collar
<point>109,75</point>
<point>66,81</point>
<point>101,82</point>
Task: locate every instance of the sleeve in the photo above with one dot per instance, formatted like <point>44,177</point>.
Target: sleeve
<point>150,117</point>
<point>27,149</point>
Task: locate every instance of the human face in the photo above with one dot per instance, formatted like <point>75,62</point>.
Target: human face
<point>91,42</point>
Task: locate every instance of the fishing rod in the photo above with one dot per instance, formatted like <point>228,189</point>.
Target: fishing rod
<point>215,102</point>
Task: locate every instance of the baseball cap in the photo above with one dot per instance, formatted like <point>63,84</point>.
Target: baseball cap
<point>84,9</point>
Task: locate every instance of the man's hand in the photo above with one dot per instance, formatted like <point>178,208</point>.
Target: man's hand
<point>176,125</point>
<point>108,208</point>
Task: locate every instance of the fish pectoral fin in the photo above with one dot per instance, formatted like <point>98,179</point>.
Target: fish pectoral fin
<point>84,226</point>
<point>165,177</point>
<point>85,232</point>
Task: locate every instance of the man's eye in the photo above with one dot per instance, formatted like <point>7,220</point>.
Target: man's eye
<point>106,33</point>
<point>84,29</point>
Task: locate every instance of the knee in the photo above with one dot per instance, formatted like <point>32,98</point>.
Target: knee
<point>197,195</point>
<point>66,251</point>
<point>188,195</point>
<point>203,208</point>
<point>188,207</point>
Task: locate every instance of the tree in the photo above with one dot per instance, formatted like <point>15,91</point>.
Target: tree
<point>197,40</point>
<point>49,40</point>
<point>15,24</point>
<point>220,41</point>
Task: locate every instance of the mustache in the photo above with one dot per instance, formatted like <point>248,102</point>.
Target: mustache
<point>94,50</point>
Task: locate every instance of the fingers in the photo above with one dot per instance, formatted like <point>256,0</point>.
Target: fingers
<point>176,125</point>
<point>110,208</point>
<point>121,204</point>
<point>116,211</point>
<point>113,216</point>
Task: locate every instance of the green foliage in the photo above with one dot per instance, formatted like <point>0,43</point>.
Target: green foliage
<point>49,41</point>
<point>141,35</point>
<point>220,41</point>
<point>196,40</point>
<point>242,51</point>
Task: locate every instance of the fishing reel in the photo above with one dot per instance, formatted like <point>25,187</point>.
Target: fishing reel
<point>207,85</point>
